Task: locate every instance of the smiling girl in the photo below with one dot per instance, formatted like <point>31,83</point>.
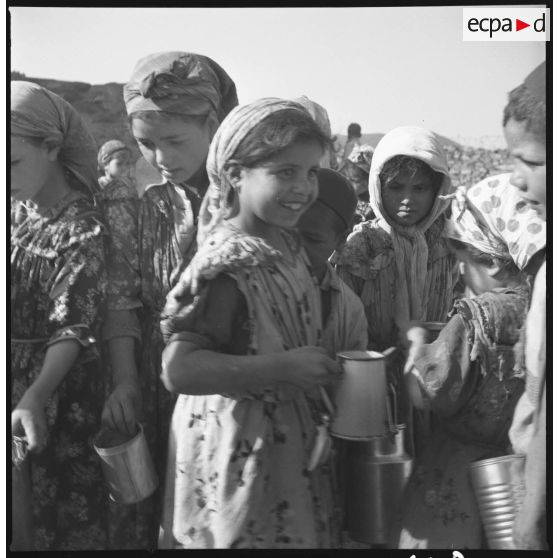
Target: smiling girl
<point>243,354</point>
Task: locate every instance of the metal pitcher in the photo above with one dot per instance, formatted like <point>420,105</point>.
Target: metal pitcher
<point>362,406</point>
<point>376,473</point>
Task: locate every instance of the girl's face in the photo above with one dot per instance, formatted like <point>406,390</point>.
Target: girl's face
<point>119,166</point>
<point>408,198</point>
<point>31,167</point>
<point>529,160</point>
<point>278,191</point>
<point>176,148</point>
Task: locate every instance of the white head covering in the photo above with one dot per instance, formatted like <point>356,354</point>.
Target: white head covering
<point>492,217</point>
<point>411,249</point>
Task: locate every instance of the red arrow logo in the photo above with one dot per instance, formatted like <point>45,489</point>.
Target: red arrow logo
<point>519,25</point>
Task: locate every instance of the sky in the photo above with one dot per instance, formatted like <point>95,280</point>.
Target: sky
<point>380,67</point>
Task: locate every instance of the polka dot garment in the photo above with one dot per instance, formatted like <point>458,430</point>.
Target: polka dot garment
<point>492,216</point>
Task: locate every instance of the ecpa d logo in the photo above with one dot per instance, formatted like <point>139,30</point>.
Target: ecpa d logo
<point>506,24</point>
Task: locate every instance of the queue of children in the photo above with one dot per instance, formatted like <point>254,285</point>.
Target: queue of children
<point>210,312</point>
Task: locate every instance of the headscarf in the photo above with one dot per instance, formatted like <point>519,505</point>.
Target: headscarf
<point>492,217</point>
<point>232,131</point>
<point>180,82</point>
<point>39,113</point>
<point>107,151</point>
<point>317,112</point>
<point>409,243</point>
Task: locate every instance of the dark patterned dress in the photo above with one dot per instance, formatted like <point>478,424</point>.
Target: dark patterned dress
<point>152,241</point>
<point>57,293</point>
<point>468,375</point>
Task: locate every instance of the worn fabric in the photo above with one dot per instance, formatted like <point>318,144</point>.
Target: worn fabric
<point>108,150</point>
<point>234,128</point>
<point>528,430</point>
<point>182,83</point>
<point>237,474</point>
<point>467,376</point>
<point>492,217</point>
<point>361,156</point>
<point>57,293</point>
<point>37,112</point>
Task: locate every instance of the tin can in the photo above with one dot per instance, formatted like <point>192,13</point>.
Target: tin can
<point>499,489</point>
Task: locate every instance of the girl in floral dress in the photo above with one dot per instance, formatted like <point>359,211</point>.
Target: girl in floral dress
<point>175,101</point>
<point>244,352</point>
<point>57,295</point>
<point>469,376</point>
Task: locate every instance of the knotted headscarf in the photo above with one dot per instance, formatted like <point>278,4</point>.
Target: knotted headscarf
<point>108,150</point>
<point>39,113</point>
<point>232,131</point>
<point>492,217</point>
<point>409,243</point>
<point>182,83</point>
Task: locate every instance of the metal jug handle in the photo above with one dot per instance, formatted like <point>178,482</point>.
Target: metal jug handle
<point>391,425</point>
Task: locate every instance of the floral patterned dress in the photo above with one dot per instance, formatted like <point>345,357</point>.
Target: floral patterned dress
<point>57,292</point>
<point>469,377</point>
<point>237,469</point>
<point>152,240</point>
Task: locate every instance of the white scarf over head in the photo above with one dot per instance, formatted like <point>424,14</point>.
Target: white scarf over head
<point>409,243</point>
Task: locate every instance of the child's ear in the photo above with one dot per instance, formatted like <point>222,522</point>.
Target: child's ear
<point>233,172</point>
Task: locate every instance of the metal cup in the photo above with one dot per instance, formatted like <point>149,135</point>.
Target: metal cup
<point>499,489</point>
<point>361,397</point>
<point>127,467</point>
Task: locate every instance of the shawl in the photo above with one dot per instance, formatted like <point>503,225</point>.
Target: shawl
<point>409,243</point>
<point>182,83</point>
<point>107,151</point>
<point>232,131</point>
<point>492,217</point>
<point>39,113</point>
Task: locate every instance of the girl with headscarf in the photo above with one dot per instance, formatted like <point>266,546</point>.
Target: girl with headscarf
<point>245,467</point>
<point>174,101</point>
<point>57,294</point>
<point>469,377</point>
<point>398,262</point>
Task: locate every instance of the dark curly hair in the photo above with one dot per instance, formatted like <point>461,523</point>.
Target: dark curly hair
<point>523,107</point>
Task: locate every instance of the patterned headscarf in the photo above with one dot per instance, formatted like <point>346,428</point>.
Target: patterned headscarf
<point>409,243</point>
<point>234,128</point>
<point>39,113</point>
<point>492,217</point>
<point>107,151</point>
<point>180,82</point>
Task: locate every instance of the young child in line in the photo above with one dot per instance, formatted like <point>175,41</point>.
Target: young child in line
<point>324,227</point>
<point>357,170</point>
<point>468,377</point>
<point>244,354</point>
<point>525,133</point>
<point>58,285</point>
<point>399,263</point>
<point>114,161</point>
<point>174,101</point>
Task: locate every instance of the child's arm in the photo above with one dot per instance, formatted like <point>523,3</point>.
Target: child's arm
<point>191,370</point>
<point>28,417</point>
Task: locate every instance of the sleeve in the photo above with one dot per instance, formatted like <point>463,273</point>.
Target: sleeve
<point>357,334</point>
<point>445,370</point>
<point>77,293</point>
<point>216,319</point>
<point>120,203</point>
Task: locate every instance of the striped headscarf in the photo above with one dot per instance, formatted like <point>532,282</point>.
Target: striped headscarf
<point>492,217</point>
<point>232,131</point>
<point>39,113</point>
<point>180,82</point>
<point>409,242</point>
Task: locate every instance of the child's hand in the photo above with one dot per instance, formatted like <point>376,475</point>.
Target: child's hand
<point>29,421</point>
<point>123,408</point>
<point>309,367</point>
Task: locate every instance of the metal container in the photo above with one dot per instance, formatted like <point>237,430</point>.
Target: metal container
<point>499,489</point>
<point>362,406</point>
<point>127,467</point>
<point>376,473</point>
<point>23,533</point>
